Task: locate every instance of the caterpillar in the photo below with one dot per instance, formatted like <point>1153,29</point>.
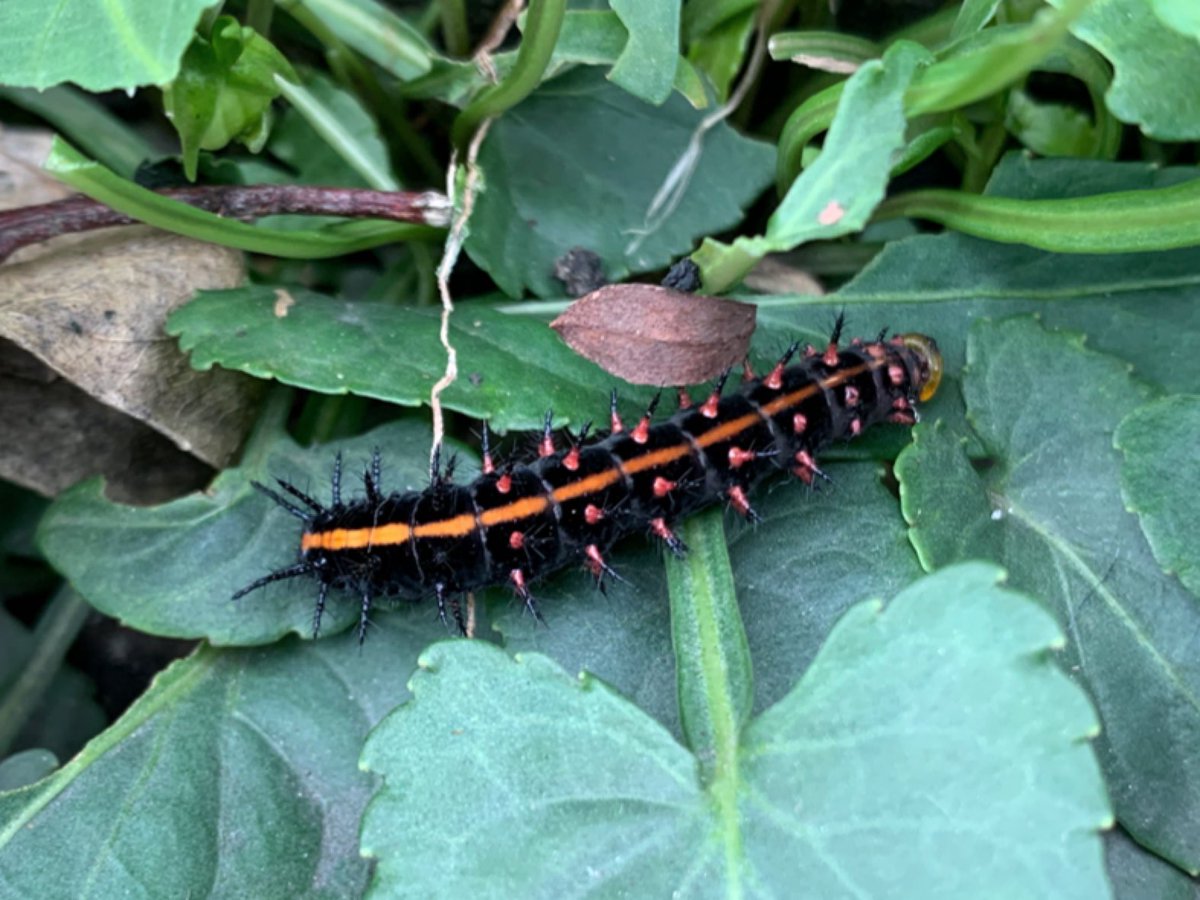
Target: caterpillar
<point>517,523</point>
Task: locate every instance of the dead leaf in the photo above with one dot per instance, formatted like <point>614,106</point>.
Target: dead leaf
<point>648,334</point>
<point>773,275</point>
<point>58,435</point>
<point>84,315</point>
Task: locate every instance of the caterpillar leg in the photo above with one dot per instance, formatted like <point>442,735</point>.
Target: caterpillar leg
<point>736,495</point>
<point>806,468</point>
<point>444,601</point>
<point>364,611</point>
<point>517,577</point>
<point>322,596</point>
<point>672,540</point>
<point>593,561</point>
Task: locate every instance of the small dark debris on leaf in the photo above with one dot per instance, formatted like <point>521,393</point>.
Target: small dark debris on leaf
<point>683,276</point>
<point>581,271</point>
<point>648,334</point>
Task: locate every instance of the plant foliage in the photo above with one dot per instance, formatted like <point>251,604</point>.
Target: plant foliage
<point>969,666</point>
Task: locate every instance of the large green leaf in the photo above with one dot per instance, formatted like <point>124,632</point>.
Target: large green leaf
<point>1161,480</point>
<point>1182,15</point>
<point>843,788</point>
<point>1049,508</point>
<point>233,775</point>
<point>579,164</point>
<point>815,554</point>
<point>99,46</point>
<point>1136,874</point>
<point>511,368</point>
<point>1154,65</point>
<point>203,547</point>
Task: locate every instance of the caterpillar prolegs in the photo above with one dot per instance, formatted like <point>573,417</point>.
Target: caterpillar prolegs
<point>517,523</point>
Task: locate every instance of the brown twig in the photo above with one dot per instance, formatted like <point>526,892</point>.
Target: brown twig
<point>32,224</point>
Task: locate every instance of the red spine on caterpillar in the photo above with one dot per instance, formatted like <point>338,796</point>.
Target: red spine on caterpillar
<point>517,523</point>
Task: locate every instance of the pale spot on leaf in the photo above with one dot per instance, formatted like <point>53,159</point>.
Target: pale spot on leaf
<point>826,63</point>
<point>832,213</point>
<point>283,302</point>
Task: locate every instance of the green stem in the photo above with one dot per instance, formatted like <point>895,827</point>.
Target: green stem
<point>713,671</point>
<point>55,632</point>
<point>454,27</point>
<point>712,668</point>
<point>542,25</point>
<point>1121,222</point>
<point>259,14</point>
<point>990,145</point>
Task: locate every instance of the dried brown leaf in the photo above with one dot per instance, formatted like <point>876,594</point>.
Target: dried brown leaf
<point>89,381</point>
<point>93,312</point>
<point>648,334</point>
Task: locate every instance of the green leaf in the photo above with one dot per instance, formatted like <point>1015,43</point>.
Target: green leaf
<point>25,768</point>
<point>1077,59</point>
<point>720,53</point>
<point>578,164</point>
<point>97,182</point>
<point>717,44</point>
<point>373,30</point>
<point>836,195</point>
<point>976,68</point>
<point>1160,479</point>
<point>207,545</point>
<point>67,714</point>
<point>1154,66</point>
<point>1182,15</point>
<point>512,368</point>
<point>357,154</point>
<point>224,90</point>
<point>646,67</point>
<point>972,16</point>
<point>1137,874</point>
<point>597,37</point>
<point>815,554</point>
<point>120,44</point>
<point>593,37</point>
<point>1049,129</point>
<point>1048,507</point>
<point>232,775</point>
<point>85,121</point>
<point>952,676</point>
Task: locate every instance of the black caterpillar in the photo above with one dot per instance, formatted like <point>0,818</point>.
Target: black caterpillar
<point>521,522</point>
